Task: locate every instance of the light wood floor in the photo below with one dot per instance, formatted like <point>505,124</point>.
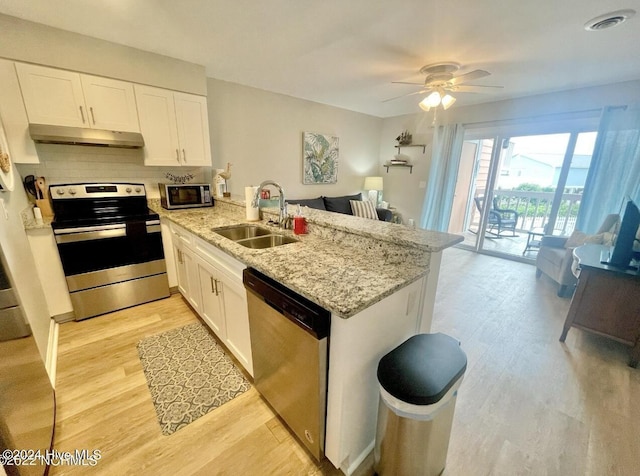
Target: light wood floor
<point>528,404</point>
<point>103,403</point>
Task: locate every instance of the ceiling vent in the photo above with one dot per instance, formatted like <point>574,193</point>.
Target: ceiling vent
<point>608,20</point>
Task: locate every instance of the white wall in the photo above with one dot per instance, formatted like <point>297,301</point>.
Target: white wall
<point>402,189</point>
<point>22,266</point>
<point>35,43</point>
<point>260,133</point>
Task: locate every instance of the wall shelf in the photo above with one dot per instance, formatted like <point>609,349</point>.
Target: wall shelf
<point>424,146</point>
<point>409,166</point>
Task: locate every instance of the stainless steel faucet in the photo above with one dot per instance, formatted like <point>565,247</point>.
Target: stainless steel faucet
<point>282,218</point>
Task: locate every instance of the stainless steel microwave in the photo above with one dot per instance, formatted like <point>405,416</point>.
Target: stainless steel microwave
<point>185,195</point>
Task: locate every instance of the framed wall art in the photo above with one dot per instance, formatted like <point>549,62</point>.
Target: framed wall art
<point>319,158</point>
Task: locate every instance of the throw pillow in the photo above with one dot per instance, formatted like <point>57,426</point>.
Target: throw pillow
<point>577,238</point>
<point>595,239</point>
<point>340,204</point>
<point>607,238</point>
<point>317,203</point>
<point>364,209</point>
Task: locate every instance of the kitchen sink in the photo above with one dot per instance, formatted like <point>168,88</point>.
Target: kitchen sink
<point>242,232</point>
<point>268,241</point>
<point>252,236</point>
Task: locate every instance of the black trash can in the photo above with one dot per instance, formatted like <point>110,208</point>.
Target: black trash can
<point>419,383</point>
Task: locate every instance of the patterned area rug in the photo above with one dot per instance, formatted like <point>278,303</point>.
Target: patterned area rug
<point>188,375</point>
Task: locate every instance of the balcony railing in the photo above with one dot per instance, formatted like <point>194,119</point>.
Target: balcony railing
<point>534,209</point>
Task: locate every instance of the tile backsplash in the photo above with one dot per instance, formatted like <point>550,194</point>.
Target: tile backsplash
<point>69,164</point>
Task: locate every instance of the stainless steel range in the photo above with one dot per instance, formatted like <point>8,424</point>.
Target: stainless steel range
<point>110,246</point>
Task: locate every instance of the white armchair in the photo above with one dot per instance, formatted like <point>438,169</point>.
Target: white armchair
<point>555,255</point>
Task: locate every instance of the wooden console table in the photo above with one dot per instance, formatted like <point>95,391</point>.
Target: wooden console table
<point>606,301</point>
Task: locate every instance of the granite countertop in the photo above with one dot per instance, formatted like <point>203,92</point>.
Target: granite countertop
<point>345,264</point>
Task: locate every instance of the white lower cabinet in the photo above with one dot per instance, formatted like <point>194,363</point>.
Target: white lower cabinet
<point>236,320</point>
<point>187,271</point>
<point>211,281</point>
<point>212,310</point>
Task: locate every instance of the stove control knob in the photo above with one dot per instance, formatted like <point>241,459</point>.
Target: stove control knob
<point>60,191</point>
<point>72,191</point>
<point>128,190</point>
<point>138,189</point>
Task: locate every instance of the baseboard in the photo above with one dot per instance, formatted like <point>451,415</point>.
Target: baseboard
<point>66,317</point>
<point>52,352</point>
<point>174,290</point>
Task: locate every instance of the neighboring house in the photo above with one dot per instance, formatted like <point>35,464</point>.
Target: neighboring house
<point>544,170</point>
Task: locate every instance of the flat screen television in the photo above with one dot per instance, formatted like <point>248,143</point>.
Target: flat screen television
<point>623,249</point>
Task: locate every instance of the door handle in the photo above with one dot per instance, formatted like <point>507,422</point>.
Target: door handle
<point>184,155</point>
<point>177,155</point>
<point>92,116</point>
<point>82,114</point>
<point>212,289</point>
<point>216,281</point>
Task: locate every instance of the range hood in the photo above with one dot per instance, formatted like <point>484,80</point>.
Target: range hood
<point>47,134</point>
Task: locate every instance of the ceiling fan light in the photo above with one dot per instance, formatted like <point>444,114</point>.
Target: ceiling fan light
<point>423,105</point>
<point>447,101</point>
<point>433,99</point>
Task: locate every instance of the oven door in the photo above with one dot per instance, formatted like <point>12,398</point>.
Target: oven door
<point>112,267</point>
<point>95,248</point>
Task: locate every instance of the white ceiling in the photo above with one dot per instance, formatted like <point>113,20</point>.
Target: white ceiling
<point>345,53</point>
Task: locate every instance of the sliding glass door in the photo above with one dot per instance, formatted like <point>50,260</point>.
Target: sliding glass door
<point>513,189</point>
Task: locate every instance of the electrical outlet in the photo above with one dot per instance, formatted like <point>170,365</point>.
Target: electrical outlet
<point>422,184</point>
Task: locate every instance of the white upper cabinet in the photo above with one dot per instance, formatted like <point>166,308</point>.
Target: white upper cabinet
<point>111,104</point>
<point>193,129</point>
<point>64,98</point>
<point>52,96</point>
<point>175,127</point>
<point>14,116</point>
<point>158,125</point>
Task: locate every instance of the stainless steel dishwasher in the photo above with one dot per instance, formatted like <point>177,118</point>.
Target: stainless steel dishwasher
<point>289,344</point>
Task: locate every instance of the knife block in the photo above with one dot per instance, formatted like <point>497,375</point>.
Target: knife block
<point>45,207</point>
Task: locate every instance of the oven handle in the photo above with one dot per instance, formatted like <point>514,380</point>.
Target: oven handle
<point>71,235</point>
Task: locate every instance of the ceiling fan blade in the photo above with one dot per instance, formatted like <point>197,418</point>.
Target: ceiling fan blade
<point>404,95</point>
<point>472,88</point>
<point>404,82</point>
<point>477,74</point>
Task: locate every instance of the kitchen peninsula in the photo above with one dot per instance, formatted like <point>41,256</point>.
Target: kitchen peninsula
<point>377,279</point>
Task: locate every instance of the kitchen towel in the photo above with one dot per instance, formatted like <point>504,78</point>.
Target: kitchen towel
<point>253,213</point>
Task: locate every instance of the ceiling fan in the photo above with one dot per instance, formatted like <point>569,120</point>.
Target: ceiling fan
<point>440,80</point>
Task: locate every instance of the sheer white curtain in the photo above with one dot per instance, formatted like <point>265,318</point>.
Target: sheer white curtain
<point>614,174</point>
<point>445,160</point>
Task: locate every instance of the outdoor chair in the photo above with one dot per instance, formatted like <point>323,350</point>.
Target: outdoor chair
<point>499,219</point>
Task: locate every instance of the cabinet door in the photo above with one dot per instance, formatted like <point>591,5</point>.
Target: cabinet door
<point>237,320</point>
<point>111,104</point>
<point>191,270</point>
<point>52,96</point>
<point>14,116</point>
<point>193,129</point>
<point>181,270</point>
<point>211,310</point>
<point>158,125</point>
